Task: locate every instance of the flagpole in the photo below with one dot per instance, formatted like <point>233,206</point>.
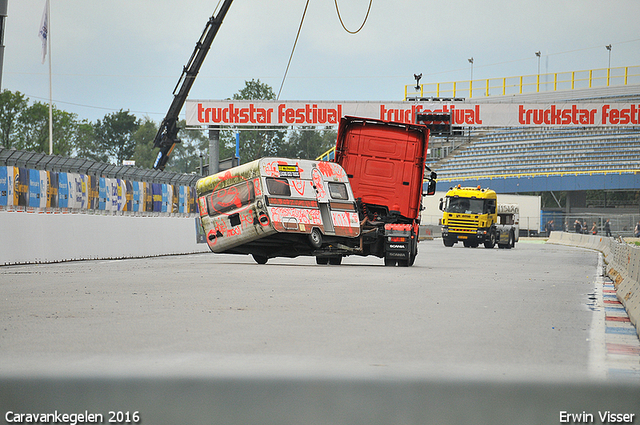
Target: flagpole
<point>50,85</point>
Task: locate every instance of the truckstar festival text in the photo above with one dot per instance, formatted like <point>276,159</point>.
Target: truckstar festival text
<point>325,113</point>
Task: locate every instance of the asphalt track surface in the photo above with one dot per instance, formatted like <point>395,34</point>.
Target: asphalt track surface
<point>458,311</point>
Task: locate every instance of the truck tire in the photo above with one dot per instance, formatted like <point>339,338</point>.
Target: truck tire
<point>404,263</point>
<point>260,259</point>
<point>315,238</point>
<point>512,240</point>
<point>448,242</point>
<point>322,260</point>
<point>491,241</point>
<point>335,260</point>
<point>414,251</point>
<point>389,262</point>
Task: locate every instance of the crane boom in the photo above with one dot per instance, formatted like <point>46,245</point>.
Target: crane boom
<point>167,135</point>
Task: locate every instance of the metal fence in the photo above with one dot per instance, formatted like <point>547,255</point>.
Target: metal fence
<point>57,163</point>
<point>619,224</point>
<point>35,182</point>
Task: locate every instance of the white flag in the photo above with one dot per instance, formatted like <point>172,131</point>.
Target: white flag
<point>44,30</point>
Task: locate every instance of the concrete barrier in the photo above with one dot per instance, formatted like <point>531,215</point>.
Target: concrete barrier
<point>622,266</point>
<point>47,238</point>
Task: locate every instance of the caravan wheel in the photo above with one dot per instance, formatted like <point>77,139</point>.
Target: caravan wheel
<point>315,238</point>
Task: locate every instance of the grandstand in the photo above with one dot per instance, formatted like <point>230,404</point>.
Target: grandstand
<point>548,153</point>
<point>525,160</point>
<point>517,151</point>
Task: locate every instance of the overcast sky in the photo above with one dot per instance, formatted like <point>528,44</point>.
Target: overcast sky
<point>128,54</point>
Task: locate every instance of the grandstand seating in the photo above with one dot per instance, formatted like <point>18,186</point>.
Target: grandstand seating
<point>514,151</point>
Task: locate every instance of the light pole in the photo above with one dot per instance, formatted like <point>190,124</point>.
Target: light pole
<point>538,55</point>
<point>471,62</point>
<point>3,15</point>
<point>609,49</point>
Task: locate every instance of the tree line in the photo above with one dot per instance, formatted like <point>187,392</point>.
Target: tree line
<point>122,136</point>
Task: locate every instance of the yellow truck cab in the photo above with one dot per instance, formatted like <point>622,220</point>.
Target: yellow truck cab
<point>469,215</point>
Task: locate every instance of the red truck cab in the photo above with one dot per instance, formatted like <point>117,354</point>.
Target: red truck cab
<point>385,165</point>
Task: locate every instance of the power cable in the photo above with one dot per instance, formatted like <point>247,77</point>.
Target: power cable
<point>363,22</point>
<point>300,29</point>
<point>93,107</point>
<point>293,50</point>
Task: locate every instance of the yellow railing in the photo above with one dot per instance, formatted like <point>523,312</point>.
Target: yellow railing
<point>604,77</point>
<point>327,156</point>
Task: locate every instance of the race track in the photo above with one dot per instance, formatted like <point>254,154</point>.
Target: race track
<point>458,311</point>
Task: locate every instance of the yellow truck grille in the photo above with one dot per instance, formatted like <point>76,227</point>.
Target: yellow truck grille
<point>461,225</point>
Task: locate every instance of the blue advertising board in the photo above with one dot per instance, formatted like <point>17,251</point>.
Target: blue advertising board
<point>102,194</point>
<point>63,191</point>
<point>34,188</point>
<point>4,186</point>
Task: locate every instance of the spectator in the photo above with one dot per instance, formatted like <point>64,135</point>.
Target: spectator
<point>584,227</point>
<point>636,231</point>
<point>594,229</point>
<point>549,227</point>
<point>607,228</point>
<point>577,226</point>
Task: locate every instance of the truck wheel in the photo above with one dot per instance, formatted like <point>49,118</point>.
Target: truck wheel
<point>315,238</point>
<point>260,259</point>
<point>512,241</point>
<point>491,242</point>
<point>335,261</point>
<point>414,251</point>
<point>389,262</point>
<point>322,260</point>
<point>448,242</point>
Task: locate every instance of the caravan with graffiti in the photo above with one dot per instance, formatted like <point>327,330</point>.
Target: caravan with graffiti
<point>278,207</point>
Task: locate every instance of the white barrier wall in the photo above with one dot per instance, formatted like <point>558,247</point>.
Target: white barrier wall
<point>44,238</point>
<point>622,265</point>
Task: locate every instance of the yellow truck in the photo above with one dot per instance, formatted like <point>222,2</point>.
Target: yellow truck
<point>473,216</point>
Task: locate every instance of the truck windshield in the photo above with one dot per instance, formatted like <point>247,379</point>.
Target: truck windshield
<point>465,206</point>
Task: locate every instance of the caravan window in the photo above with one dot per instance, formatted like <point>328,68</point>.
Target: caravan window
<point>278,187</point>
<point>338,190</point>
<point>231,198</point>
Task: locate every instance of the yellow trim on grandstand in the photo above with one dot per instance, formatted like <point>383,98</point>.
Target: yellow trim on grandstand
<point>545,174</point>
<point>572,80</point>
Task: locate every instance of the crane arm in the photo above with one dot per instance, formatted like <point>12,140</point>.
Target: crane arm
<point>167,135</point>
